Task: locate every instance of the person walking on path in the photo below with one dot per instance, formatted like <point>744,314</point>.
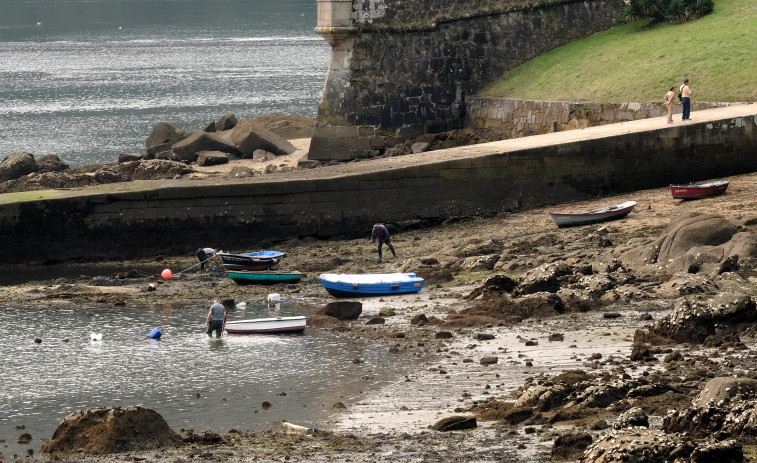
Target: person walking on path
<point>205,254</point>
<point>216,319</point>
<point>669,103</point>
<point>686,93</point>
<point>381,234</point>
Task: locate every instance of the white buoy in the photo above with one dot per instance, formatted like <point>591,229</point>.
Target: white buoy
<point>96,336</point>
<point>274,297</point>
<point>242,305</point>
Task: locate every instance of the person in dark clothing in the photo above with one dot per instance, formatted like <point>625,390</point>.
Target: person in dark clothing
<point>205,254</point>
<point>381,235</point>
<point>216,319</point>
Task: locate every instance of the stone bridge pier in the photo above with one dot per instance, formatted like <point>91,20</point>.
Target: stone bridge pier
<point>400,69</point>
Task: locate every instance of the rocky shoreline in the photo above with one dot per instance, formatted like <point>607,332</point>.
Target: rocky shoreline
<point>599,343</point>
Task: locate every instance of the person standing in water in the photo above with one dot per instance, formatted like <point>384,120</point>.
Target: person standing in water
<point>381,234</point>
<point>216,319</point>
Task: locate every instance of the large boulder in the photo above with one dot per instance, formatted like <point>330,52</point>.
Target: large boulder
<point>212,158</point>
<point>226,122</point>
<point>455,423</point>
<point>717,391</point>
<point>189,148</point>
<point>16,166</point>
<point>545,278</point>
<point>51,163</point>
<point>107,430</point>
<point>249,136</point>
<point>693,320</point>
<point>725,405</point>
<point>631,418</point>
<point>288,126</point>
<point>162,134</point>
<point>342,310</point>
<point>694,229</point>
<point>696,243</point>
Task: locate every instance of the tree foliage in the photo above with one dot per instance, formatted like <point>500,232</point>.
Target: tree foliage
<point>668,10</point>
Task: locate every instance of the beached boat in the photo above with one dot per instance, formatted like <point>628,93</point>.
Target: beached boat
<point>616,211</point>
<point>245,277</point>
<point>267,325</point>
<point>260,260</point>
<point>698,191</point>
<point>370,284</point>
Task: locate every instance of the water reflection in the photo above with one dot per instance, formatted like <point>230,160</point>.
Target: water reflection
<point>191,380</point>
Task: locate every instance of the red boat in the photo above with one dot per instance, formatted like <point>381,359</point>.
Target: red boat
<point>697,191</point>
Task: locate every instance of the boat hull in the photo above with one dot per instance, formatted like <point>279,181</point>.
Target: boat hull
<point>704,190</point>
<point>267,325</point>
<point>365,285</point>
<point>603,214</point>
<point>252,261</point>
<point>246,277</point>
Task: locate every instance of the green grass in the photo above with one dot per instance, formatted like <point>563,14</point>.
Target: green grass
<point>638,62</point>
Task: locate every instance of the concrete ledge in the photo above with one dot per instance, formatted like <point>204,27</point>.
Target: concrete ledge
<point>178,216</point>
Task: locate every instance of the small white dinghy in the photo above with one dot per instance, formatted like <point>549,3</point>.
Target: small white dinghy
<point>267,325</point>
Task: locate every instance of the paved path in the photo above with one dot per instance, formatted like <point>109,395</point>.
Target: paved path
<point>708,116</point>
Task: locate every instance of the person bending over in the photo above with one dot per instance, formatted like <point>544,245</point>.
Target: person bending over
<point>380,234</point>
<point>216,319</point>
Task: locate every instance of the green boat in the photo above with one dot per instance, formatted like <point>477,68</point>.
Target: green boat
<point>263,277</point>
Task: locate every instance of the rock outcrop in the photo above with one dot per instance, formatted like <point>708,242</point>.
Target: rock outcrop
<point>726,406</point>
<point>214,145</point>
<point>696,243</point>
<point>342,310</point>
<point>17,165</point>
<point>694,319</point>
<point>641,445</point>
<point>107,430</point>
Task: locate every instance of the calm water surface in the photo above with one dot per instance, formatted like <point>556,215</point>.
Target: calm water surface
<point>89,79</point>
<point>191,380</point>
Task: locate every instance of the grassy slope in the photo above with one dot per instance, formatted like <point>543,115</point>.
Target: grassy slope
<point>635,62</point>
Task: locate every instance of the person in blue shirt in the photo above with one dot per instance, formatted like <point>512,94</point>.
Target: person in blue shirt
<point>380,234</point>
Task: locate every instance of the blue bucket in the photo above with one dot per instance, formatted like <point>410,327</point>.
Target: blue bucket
<point>155,334</point>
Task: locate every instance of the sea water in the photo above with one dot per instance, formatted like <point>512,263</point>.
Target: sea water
<point>89,79</point>
<point>51,367</point>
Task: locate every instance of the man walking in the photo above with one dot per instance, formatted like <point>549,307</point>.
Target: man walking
<point>381,234</point>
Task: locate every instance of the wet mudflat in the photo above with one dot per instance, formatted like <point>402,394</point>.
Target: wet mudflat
<point>536,331</point>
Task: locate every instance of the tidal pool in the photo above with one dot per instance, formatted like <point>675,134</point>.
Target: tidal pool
<point>50,367</point>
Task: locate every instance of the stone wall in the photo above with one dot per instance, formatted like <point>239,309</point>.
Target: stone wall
<point>177,217</point>
<point>503,118</point>
<point>400,69</point>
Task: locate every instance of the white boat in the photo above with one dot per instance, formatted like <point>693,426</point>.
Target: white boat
<point>616,211</point>
<point>370,284</point>
<point>267,325</point>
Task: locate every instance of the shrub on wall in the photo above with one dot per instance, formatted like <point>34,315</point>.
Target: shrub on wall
<point>668,10</point>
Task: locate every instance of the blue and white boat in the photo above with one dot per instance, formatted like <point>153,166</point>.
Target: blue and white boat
<point>370,284</point>
<point>251,261</point>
